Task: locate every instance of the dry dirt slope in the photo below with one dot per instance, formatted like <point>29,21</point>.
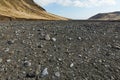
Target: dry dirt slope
<point>24,9</point>
<point>59,50</point>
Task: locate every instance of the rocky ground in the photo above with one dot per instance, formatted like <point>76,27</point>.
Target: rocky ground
<point>59,50</point>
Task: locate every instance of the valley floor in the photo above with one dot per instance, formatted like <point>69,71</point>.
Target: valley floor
<point>60,50</point>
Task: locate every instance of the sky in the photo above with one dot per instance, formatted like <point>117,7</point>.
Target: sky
<point>79,9</point>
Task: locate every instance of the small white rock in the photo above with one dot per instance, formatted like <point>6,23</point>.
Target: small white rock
<point>59,59</point>
<point>9,60</point>
<point>45,72</point>
<point>33,29</point>
<point>51,55</point>
<point>57,74</point>
<point>47,37</point>
<point>71,65</point>
<point>7,50</point>
<point>80,55</point>
<point>79,38</point>
<point>100,61</point>
<point>70,39</point>
<point>27,64</point>
<point>54,39</point>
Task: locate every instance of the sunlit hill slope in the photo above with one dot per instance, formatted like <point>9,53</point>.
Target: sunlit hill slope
<point>24,9</point>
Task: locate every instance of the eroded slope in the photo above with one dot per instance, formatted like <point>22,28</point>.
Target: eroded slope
<point>25,9</point>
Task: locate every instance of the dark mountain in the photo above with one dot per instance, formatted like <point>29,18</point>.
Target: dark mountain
<point>106,16</point>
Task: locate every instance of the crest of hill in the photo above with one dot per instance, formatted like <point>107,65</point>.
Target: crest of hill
<point>24,9</point>
<point>106,16</point>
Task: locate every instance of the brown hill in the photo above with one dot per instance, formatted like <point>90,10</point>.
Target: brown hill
<point>24,9</point>
<point>106,16</point>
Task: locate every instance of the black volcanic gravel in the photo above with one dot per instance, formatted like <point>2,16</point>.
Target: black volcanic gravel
<point>59,50</point>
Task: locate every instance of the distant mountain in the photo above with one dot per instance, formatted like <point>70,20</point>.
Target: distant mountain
<point>106,16</point>
<point>24,9</point>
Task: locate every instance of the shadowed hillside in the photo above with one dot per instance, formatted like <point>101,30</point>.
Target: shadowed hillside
<point>106,16</point>
<point>24,9</point>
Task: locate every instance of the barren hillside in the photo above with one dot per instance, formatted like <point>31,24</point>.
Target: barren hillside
<point>24,9</point>
<point>106,16</point>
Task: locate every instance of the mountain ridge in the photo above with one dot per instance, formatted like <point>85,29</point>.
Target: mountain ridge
<point>106,16</point>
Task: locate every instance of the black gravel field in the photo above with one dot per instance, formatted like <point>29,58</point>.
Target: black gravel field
<point>60,50</point>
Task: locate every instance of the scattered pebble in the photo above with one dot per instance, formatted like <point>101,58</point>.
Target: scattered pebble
<point>80,55</point>
<point>47,37</point>
<point>69,39</point>
<point>9,60</point>
<point>44,51</point>
<point>57,74</point>
<point>79,38</point>
<point>10,42</point>
<point>27,64</point>
<point>17,32</point>
<point>7,50</point>
<point>59,59</point>
<point>116,46</point>
<point>45,72</point>
<point>40,46</point>
<point>71,65</point>
<point>104,33</point>
<point>53,39</point>
<point>33,29</point>
<point>100,61</point>
<point>107,65</point>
